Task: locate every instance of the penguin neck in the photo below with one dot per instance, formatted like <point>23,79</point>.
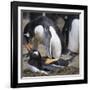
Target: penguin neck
<point>53,32</point>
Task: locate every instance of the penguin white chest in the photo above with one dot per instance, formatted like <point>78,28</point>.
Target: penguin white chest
<point>74,36</point>
<point>55,44</point>
<point>39,33</point>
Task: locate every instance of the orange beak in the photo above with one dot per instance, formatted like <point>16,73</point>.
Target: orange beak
<point>28,46</point>
<point>50,60</point>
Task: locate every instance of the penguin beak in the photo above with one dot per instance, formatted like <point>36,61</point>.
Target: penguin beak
<point>27,43</point>
<point>28,46</point>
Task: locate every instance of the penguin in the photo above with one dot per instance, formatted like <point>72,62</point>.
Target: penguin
<point>44,31</point>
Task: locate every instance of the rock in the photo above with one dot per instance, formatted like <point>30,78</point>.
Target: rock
<point>75,62</point>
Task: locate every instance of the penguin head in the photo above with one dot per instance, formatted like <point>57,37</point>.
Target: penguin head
<point>28,33</point>
<point>35,59</point>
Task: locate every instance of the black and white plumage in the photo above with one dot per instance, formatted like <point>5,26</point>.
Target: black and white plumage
<point>73,44</point>
<point>35,63</point>
<point>43,29</point>
<point>35,59</point>
<point>46,32</point>
<point>71,32</point>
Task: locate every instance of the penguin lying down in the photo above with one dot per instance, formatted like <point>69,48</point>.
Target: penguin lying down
<point>46,33</point>
<point>43,65</point>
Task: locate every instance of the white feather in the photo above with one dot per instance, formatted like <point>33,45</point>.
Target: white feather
<point>39,33</point>
<point>33,68</point>
<point>74,36</point>
<point>36,70</point>
<point>55,43</point>
<point>35,52</point>
<point>27,35</point>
